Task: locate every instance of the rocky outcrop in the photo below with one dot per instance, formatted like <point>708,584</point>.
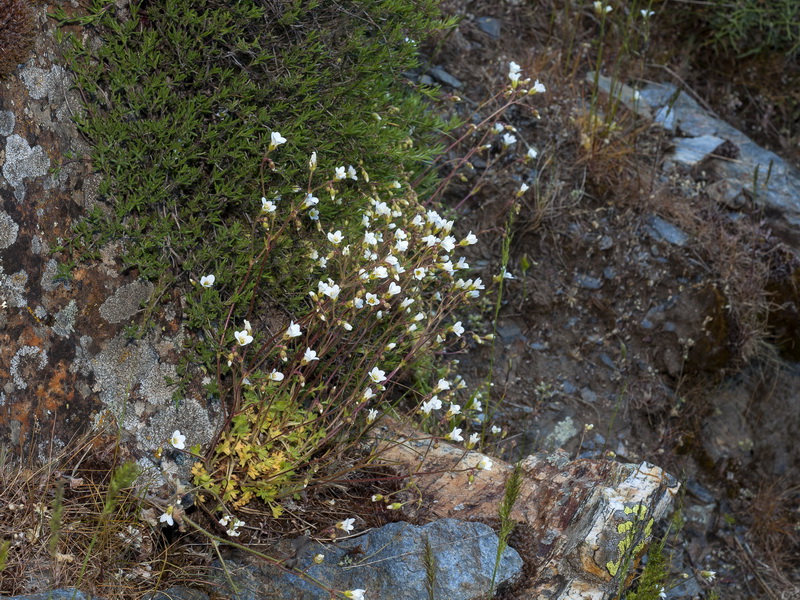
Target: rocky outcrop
<point>584,522</point>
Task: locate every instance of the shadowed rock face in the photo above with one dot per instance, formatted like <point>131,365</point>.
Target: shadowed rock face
<point>65,362</point>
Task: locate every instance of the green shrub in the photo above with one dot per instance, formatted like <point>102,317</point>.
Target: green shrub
<point>182,97</point>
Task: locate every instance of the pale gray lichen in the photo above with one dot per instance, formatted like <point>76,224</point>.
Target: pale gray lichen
<point>49,280</point>
<point>38,246</point>
<point>42,82</point>
<point>23,352</point>
<point>7,122</point>
<point>23,162</point>
<point>65,319</point>
<point>8,230</point>
<point>12,288</point>
<point>126,301</point>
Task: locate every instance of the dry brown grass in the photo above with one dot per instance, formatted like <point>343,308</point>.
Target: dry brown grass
<point>67,528</point>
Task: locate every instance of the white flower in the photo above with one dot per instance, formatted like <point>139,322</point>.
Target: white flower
<point>401,245</point>
<point>499,128</point>
<point>308,356</point>
<point>312,162</point>
<point>484,464</point>
<point>433,404</point>
<point>538,88</point>
<point>178,440</point>
<point>462,263</point>
<point>407,302</point>
<point>524,187</point>
<point>267,206</point>
<point>431,240</point>
<point>377,375</point>
<point>356,594</point>
<point>309,201</point>
<point>368,393</point>
<point>346,525</point>
<point>473,439</point>
<point>275,375</point>
<point>372,299</point>
<point>346,326</point>
<point>318,559</point>
<point>292,331</point>
<point>396,185</point>
<point>470,239</point>
<point>532,153</point>
<point>167,516</point>
<point>508,139</point>
<point>496,429</point>
<point>419,273</point>
<point>370,238</point>
<point>394,289</point>
<point>455,409</point>
<point>276,139</point>
<point>514,77</point>
<point>243,337</point>
<point>448,243</point>
<point>232,531</point>
<point>372,415</point>
<point>336,237</point>
<point>662,592</point>
<point>313,214</point>
<point>476,405</point>
<point>351,173</point>
<point>647,14</point>
<point>441,386</point>
<point>455,435</point>
<point>207,281</point>
<point>458,328</point>
<point>225,520</point>
<point>709,575</point>
<point>599,8</point>
<point>380,272</point>
<point>339,174</point>
<point>513,67</point>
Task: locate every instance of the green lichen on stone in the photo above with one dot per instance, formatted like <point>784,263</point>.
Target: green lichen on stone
<point>636,533</point>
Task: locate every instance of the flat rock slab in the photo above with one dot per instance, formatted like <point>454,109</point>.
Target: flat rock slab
<point>389,563</point>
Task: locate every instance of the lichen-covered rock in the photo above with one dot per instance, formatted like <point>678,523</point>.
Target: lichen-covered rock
<point>585,520</point>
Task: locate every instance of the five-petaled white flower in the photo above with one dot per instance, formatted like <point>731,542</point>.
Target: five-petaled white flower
<point>469,240</point>
<point>455,409</point>
<point>394,289</point>
<point>267,206</point>
<point>355,594</point>
<point>346,525</point>
<point>647,14</point>
<point>508,139</point>
<point>309,201</point>
<point>292,331</point>
<point>309,356</point>
<point>178,440</point>
<point>532,153</point>
<point>433,404</point>
<point>243,337</point>
<point>441,386</point>
<point>455,435</point>
<point>166,517</point>
<point>484,464</point>
<point>524,187</point>
<point>419,273</point>
<point>336,237</point>
<point>276,139</point>
<point>351,173</point>
<point>513,68</point>
<point>372,414</point>
<point>377,375</point>
<point>458,328</point>
<point>275,375</point>
<point>312,162</point>
<point>207,281</point>
<point>538,88</point>
<point>339,174</point>
<point>496,429</point>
